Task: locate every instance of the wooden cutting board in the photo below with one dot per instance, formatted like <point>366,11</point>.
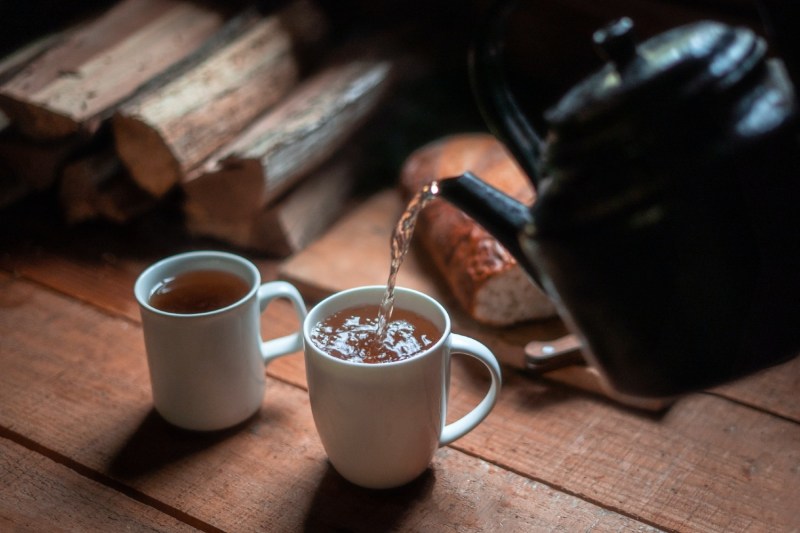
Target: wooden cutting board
<point>355,252</point>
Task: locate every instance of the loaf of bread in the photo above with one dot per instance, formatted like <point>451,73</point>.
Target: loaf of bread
<point>481,274</point>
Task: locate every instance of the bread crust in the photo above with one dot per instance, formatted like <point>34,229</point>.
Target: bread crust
<point>485,279</point>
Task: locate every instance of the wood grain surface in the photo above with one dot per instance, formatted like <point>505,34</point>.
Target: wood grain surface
<point>82,448</point>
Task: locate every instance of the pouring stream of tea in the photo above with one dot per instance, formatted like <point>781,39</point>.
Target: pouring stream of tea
<point>401,238</point>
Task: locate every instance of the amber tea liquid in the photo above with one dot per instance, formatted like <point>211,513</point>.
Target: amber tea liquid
<point>351,334</point>
<point>198,291</point>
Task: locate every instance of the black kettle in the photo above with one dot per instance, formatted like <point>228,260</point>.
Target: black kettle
<point>667,224</point>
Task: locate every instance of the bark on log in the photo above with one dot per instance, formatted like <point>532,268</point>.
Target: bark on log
<point>16,60</point>
<point>290,141</point>
<point>71,87</point>
<point>163,134</point>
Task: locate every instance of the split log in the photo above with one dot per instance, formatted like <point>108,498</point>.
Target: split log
<point>289,224</point>
<point>97,186</point>
<point>287,143</point>
<point>30,166</point>
<point>16,60</point>
<point>11,187</point>
<point>22,172</point>
<point>164,133</point>
<point>71,87</point>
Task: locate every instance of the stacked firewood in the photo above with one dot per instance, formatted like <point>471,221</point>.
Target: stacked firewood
<point>247,115</point>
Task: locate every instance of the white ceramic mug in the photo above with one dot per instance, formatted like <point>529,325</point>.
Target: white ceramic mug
<point>207,369</point>
<point>380,423</point>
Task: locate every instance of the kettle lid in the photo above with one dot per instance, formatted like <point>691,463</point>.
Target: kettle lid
<point>699,61</point>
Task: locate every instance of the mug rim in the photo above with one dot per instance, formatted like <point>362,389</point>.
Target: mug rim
<point>308,325</point>
<point>142,292</point>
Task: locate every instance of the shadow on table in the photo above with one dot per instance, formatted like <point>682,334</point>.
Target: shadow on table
<point>338,505</point>
<point>157,443</point>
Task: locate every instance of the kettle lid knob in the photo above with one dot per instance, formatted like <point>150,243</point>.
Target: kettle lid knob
<point>615,43</point>
<point>672,86</point>
<point>689,64</point>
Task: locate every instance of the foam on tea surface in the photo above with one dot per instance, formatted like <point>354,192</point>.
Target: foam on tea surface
<point>351,334</point>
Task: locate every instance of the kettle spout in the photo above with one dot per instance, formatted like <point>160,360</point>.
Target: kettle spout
<point>502,216</point>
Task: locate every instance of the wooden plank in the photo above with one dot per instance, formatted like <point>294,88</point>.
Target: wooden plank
<point>40,494</point>
<point>604,454</point>
<point>71,86</point>
<point>79,387</point>
<point>577,444</point>
<point>104,276</point>
<point>768,390</point>
<point>165,132</point>
<point>487,498</point>
<point>100,268</point>
<point>704,465</point>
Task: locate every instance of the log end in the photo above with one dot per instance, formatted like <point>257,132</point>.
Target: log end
<point>148,159</point>
<point>12,188</point>
<point>235,189</point>
<point>96,186</point>
<point>38,122</point>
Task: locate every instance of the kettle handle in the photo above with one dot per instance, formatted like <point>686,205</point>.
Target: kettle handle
<point>495,101</point>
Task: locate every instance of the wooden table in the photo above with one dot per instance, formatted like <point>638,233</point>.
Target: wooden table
<point>81,448</point>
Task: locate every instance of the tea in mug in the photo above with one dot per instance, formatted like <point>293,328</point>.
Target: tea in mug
<point>351,334</point>
<point>198,291</point>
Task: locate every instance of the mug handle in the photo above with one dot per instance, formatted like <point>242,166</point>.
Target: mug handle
<point>465,424</point>
<point>272,349</point>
